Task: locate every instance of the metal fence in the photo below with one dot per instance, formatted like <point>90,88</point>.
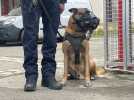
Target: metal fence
<point>119,34</point>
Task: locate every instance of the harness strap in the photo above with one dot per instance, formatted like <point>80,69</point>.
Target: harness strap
<point>76,42</point>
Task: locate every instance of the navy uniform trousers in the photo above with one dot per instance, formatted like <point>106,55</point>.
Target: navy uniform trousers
<point>31,15</point>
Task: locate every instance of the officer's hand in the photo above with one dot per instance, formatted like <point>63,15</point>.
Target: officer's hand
<point>62,7</point>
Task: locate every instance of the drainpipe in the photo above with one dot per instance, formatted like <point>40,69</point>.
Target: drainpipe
<point>5,7</point>
<point>0,7</point>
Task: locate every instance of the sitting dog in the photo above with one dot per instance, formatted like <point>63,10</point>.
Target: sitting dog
<point>77,60</point>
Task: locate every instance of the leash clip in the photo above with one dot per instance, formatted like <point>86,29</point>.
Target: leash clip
<point>88,35</point>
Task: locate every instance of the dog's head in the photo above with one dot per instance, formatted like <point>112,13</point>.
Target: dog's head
<point>83,20</point>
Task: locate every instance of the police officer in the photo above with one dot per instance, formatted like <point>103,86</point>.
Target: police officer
<point>31,12</point>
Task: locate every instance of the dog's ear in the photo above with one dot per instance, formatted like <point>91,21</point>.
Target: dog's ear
<point>73,10</point>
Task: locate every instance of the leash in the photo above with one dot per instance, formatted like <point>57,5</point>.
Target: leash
<point>91,7</point>
<point>35,2</point>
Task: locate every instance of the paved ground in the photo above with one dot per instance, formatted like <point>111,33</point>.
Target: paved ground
<point>108,87</point>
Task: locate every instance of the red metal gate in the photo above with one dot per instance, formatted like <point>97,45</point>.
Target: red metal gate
<point>7,5</point>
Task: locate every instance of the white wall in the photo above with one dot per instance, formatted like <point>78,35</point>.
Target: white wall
<point>97,6</point>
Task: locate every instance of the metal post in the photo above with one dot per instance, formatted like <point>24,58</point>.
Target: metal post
<point>0,8</point>
<point>105,35</point>
<point>120,31</point>
<point>130,33</point>
<point>125,13</point>
<point>104,21</point>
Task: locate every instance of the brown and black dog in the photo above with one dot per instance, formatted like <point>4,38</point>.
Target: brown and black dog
<point>76,46</point>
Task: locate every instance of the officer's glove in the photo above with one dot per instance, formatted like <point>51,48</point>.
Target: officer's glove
<point>63,1</point>
<point>35,2</point>
<point>62,7</point>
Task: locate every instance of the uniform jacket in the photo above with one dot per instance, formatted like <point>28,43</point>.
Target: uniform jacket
<point>63,1</point>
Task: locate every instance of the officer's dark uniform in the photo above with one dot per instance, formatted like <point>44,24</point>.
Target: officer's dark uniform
<point>31,14</point>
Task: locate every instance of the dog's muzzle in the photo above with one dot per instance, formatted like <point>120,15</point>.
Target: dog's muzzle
<point>86,22</point>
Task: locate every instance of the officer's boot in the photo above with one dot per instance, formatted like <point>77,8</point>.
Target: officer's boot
<point>51,84</point>
<point>30,84</point>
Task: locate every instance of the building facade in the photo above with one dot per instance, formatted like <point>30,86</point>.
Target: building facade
<point>7,5</point>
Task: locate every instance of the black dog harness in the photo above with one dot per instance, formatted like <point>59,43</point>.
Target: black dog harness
<point>76,42</point>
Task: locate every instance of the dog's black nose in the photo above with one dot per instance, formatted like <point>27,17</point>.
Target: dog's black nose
<point>95,22</point>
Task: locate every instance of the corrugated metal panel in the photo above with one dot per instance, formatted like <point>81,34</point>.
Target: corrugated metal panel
<point>97,6</point>
<point>0,7</point>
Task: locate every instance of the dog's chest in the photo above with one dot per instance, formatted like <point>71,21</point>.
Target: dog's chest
<point>75,41</point>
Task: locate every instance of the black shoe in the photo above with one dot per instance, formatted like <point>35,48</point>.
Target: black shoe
<point>30,85</point>
<point>51,84</point>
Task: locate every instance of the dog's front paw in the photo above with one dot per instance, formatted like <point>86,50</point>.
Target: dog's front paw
<point>88,83</point>
<point>93,78</point>
<point>63,82</point>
